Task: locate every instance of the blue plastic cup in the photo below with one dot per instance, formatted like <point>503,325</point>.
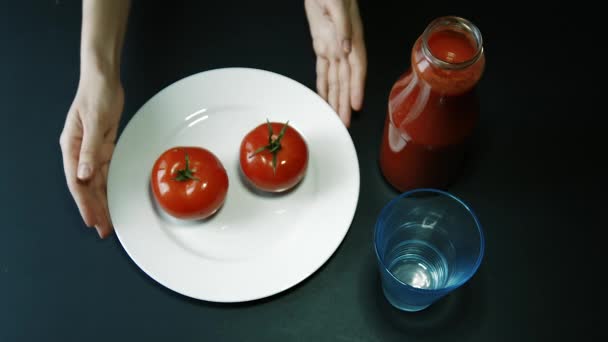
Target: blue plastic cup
<point>428,243</point>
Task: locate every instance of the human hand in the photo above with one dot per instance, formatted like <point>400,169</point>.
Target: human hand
<point>87,143</point>
<point>337,34</point>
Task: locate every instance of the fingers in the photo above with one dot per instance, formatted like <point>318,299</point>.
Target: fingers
<point>322,74</point>
<point>91,199</point>
<point>339,14</point>
<point>80,193</point>
<point>104,223</point>
<point>90,196</point>
<point>337,32</point>
<point>89,159</point>
<point>104,227</point>
<point>339,89</point>
<point>357,60</point>
<point>358,70</point>
<point>344,93</point>
<point>105,154</point>
<point>333,85</point>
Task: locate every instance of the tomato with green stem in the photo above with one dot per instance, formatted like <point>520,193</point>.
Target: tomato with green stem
<point>273,157</point>
<point>189,182</point>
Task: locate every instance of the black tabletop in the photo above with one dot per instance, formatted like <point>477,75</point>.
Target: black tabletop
<point>533,179</point>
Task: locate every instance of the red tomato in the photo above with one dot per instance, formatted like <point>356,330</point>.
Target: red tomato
<point>189,182</point>
<point>273,157</point>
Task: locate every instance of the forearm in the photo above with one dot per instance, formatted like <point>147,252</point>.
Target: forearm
<point>104,23</point>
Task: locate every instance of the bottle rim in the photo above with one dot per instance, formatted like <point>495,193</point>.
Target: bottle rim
<point>455,23</point>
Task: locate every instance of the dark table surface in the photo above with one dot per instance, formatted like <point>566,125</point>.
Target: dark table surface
<point>534,179</point>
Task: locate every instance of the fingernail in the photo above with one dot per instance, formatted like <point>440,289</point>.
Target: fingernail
<point>99,232</point>
<point>84,171</point>
<point>346,45</point>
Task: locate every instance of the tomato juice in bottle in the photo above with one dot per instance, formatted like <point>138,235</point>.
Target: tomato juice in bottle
<point>433,107</point>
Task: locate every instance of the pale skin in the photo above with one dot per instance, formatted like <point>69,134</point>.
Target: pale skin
<point>89,134</point>
<point>337,34</point>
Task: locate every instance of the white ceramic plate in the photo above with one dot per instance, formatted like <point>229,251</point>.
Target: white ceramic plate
<point>256,245</point>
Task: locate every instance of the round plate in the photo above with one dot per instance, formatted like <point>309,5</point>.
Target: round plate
<point>257,244</point>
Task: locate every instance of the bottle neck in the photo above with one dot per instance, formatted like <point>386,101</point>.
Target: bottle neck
<point>449,55</point>
<point>452,43</point>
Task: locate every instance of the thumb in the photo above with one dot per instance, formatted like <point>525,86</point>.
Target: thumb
<point>339,15</point>
<point>90,149</point>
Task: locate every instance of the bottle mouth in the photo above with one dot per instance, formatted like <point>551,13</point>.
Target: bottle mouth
<point>455,24</point>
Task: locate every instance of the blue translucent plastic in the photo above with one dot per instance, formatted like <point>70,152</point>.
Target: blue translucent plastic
<point>428,243</point>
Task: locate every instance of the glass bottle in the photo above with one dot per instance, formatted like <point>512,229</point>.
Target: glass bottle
<point>433,107</point>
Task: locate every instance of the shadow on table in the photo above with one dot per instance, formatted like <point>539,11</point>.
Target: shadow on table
<point>455,315</point>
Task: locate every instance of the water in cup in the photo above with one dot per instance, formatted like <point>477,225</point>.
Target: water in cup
<point>418,264</point>
<point>416,261</point>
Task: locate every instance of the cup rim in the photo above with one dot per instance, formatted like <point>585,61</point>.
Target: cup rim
<point>392,202</point>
